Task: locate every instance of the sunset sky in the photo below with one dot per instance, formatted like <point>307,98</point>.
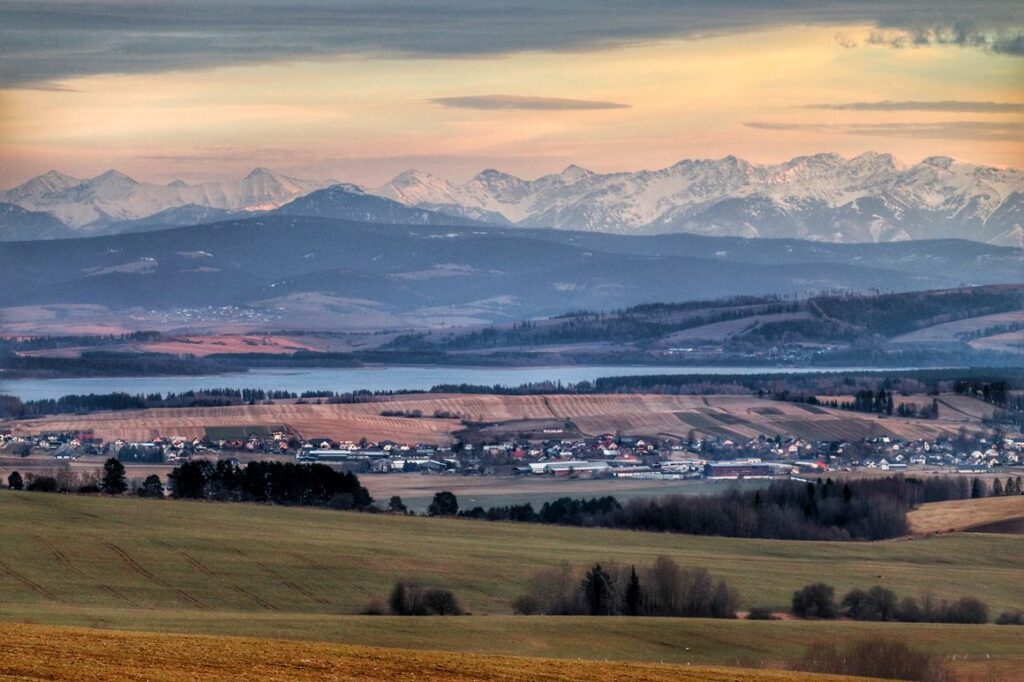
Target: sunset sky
<point>360,91</point>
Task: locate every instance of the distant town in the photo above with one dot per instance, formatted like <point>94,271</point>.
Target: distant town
<point>603,456</point>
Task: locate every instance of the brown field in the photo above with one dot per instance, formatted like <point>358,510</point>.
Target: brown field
<point>949,331</point>
<point>952,408</point>
<point>719,331</point>
<point>738,417</point>
<point>50,653</point>
<point>958,515</point>
<point>1006,342</point>
<point>228,343</point>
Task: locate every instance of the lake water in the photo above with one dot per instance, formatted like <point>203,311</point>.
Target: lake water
<point>390,378</point>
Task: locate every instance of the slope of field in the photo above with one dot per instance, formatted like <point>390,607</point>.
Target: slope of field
<point>958,515</point>
<point>63,550</point>
<point>651,415</point>
<point>249,570</point>
<point>83,655</point>
<point>1007,342</point>
<point>948,332</point>
<point>720,331</point>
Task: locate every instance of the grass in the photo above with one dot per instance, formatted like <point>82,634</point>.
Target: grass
<point>240,569</point>
<point>90,655</point>
<point>957,515</point>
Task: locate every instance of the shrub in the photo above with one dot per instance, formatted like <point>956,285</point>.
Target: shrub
<point>375,608</point>
<point>409,599</point>
<point>42,484</point>
<point>875,657</point>
<point>967,610</point>
<point>1015,617</point>
<point>878,603</point>
<point>814,601</point>
<point>761,613</point>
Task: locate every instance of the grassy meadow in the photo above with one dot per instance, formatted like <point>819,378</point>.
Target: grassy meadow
<point>273,572</point>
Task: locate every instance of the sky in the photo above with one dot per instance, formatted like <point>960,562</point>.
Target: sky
<point>361,90</point>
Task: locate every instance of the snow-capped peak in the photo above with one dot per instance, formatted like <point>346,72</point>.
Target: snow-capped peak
<point>870,197</point>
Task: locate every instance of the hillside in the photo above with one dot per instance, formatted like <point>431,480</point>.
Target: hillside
<point>319,273</point>
<point>17,224</point>
<point>728,416</point>
<point>960,515</point>
<point>957,317</point>
<point>257,571</point>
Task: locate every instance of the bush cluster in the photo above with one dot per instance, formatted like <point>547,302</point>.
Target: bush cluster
<point>882,604</point>
<point>661,589</point>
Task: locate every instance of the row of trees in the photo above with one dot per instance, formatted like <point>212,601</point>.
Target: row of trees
<point>662,589</point>
<point>110,480</point>
<point>275,482</point>
<point>859,509</point>
<point>882,604</point>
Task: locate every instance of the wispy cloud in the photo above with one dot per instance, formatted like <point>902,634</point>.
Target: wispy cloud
<point>958,106</point>
<point>951,130</point>
<point>47,86</point>
<point>524,102</point>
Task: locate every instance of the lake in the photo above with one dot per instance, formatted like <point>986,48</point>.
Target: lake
<point>379,378</point>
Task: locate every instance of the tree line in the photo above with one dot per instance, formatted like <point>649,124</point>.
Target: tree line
<point>859,509</point>
<point>274,482</point>
<point>818,601</point>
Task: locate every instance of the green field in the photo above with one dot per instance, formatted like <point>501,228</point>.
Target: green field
<point>302,573</point>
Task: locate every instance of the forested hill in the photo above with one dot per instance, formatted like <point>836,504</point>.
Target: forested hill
<point>830,318</point>
<point>301,271</point>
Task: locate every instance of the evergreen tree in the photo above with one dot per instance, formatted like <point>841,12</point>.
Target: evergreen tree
<point>997,488</point>
<point>15,482</point>
<point>977,488</point>
<point>114,482</point>
<point>151,487</point>
<point>396,505</point>
<point>633,601</point>
<point>443,504</point>
<point>597,591</point>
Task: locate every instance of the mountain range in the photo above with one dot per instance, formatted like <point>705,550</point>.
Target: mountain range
<point>94,204</point>
<point>871,198</point>
<point>824,197</point>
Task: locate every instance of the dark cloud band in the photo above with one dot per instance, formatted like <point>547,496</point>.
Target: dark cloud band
<point>48,40</point>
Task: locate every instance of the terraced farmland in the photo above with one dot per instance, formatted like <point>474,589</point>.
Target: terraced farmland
<point>652,415</point>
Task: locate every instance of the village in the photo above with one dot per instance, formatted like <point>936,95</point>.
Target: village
<point>604,456</point>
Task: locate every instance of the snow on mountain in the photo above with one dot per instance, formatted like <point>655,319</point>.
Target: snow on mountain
<point>113,197</point>
<point>348,202</point>
<point>17,224</point>
<point>824,197</point>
